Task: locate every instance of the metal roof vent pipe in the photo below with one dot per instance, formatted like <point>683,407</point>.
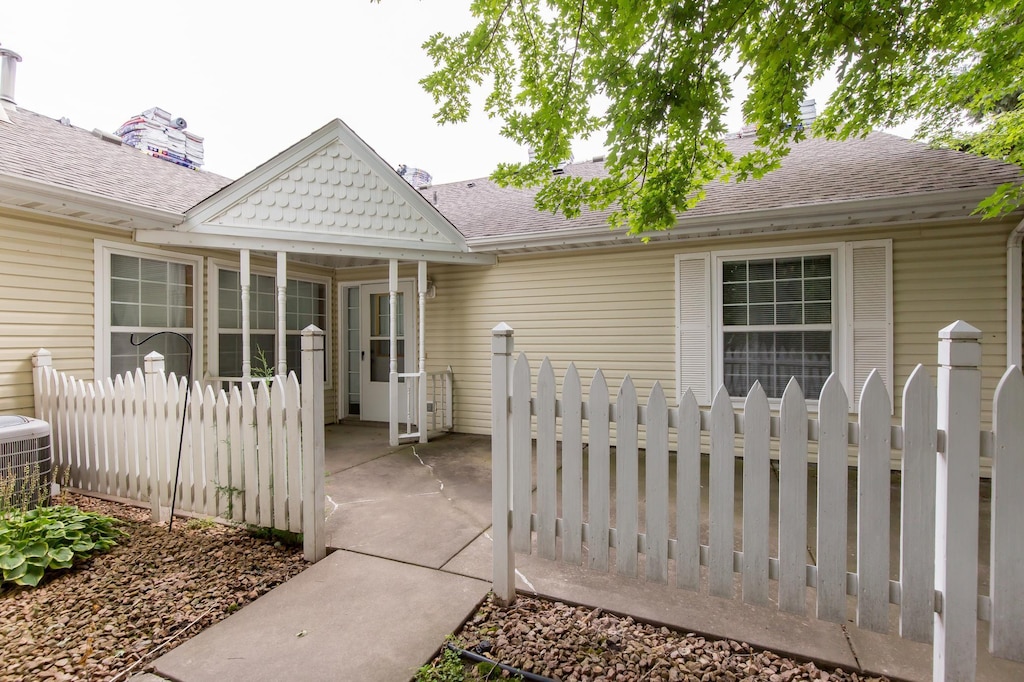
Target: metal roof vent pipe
<point>8,71</point>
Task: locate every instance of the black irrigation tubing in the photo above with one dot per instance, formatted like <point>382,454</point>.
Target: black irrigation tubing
<point>473,656</point>
<point>184,412</point>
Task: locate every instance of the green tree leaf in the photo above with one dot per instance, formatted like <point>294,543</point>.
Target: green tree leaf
<point>655,79</point>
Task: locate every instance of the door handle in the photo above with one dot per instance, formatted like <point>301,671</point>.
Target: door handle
<point>362,355</point>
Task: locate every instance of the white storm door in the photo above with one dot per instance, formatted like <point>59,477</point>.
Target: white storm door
<point>375,340</point>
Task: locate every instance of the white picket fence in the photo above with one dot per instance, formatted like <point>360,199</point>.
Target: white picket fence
<point>252,455</point>
<point>940,442</point>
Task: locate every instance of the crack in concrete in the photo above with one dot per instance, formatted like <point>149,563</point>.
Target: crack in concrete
<point>334,507</point>
<point>432,472</point>
<point>519,574</point>
<point>853,651</point>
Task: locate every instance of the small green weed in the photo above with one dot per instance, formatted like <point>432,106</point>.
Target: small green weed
<point>285,537</point>
<point>50,538</point>
<point>200,524</point>
<point>445,668</point>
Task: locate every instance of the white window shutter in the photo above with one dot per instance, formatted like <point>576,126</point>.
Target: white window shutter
<point>870,313</point>
<point>693,326</point>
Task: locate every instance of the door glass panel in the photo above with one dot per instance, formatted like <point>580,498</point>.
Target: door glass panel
<point>380,359</point>
<point>380,315</point>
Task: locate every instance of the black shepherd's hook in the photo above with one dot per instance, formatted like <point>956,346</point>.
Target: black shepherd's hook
<point>184,410</point>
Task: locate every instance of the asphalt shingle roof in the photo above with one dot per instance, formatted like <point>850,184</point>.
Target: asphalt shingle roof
<point>816,171</point>
<point>40,148</point>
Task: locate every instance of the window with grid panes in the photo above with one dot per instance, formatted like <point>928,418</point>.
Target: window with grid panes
<point>147,296</point>
<point>306,304</point>
<point>777,323</point>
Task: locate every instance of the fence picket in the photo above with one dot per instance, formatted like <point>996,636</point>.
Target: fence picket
<point>89,428</point>
<point>756,493</point>
<point>246,438</point>
<point>264,454</point>
<point>201,489</point>
<point>873,506</point>
<point>140,439</point>
<point>225,484</point>
<point>280,460</point>
<point>831,518</point>
<point>656,486</point>
<point>292,423</point>
<point>173,432</point>
<point>215,504</point>
<point>626,480</point>
<point>572,467</point>
<point>121,421</point>
<point>1006,636</point>
<point>522,454</point>
<point>233,428</point>
<point>547,464</point>
<point>106,447</point>
<point>688,494</point>
<point>917,508</point>
<point>793,499</point>
<point>188,491</point>
<point>721,496</point>
<point>598,475</point>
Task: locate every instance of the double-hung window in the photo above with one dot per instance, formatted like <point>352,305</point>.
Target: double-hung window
<point>142,293</point>
<point>306,304</point>
<point>769,315</point>
<point>777,323</point>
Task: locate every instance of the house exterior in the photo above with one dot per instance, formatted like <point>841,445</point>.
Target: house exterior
<point>848,258</point>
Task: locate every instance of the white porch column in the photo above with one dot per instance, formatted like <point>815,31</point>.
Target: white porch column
<point>393,342</point>
<point>282,304</point>
<point>421,419</point>
<point>244,279</point>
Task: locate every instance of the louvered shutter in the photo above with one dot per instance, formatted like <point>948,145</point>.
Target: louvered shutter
<point>693,325</point>
<point>870,311</point>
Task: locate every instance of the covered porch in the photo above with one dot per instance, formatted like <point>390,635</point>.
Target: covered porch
<point>325,206</point>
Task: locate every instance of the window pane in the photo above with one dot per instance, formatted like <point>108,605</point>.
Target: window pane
<point>817,290</point>
<point>773,358</point>
<point>762,314</point>
<point>818,313</point>
<point>734,293</point>
<point>124,266</point>
<point>787,291</point>
<point>818,266</point>
<point>788,268</point>
<point>734,315</point>
<point>761,270</point>
<point>735,271</point>
<point>380,359</point>
<point>762,292</point>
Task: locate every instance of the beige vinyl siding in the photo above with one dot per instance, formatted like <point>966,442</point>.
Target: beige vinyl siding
<point>614,308</point>
<point>46,301</point>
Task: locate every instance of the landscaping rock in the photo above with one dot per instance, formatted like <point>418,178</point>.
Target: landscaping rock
<point>109,616</point>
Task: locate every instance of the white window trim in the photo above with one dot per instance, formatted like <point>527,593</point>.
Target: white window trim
<point>842,359</point>
<point>102,250</point>
<point>213,334</point>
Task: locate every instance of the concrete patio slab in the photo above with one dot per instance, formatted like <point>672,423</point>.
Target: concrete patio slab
<point>397,508</point>
<point>350,616</point>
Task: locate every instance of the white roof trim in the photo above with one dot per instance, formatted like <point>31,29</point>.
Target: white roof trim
<point>316,244</point>
<point>121,213</point>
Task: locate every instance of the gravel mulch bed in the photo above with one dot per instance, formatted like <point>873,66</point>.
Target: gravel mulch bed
<point>573,643</point>
<point>111,614</point>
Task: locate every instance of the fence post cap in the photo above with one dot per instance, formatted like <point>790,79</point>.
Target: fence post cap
<point>502,330</point>
<point>312,330</point>
<point>153,355</point>
<point>42,358</point>
<point>960,331</point>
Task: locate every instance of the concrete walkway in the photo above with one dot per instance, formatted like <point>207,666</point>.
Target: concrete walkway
<point>413,560</point>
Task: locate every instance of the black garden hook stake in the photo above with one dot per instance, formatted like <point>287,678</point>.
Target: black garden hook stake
<point>184,411</point>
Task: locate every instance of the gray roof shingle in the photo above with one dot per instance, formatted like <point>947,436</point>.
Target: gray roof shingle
<point>816,172</point>
<point>40,148</point>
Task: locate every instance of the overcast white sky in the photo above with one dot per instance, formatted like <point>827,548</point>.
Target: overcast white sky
<point>253,78</point>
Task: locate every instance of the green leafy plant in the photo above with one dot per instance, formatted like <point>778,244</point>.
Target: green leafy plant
<point>51,538</point>
<point>445,668</point>
<point>262,369</point>
<point>230,492</point>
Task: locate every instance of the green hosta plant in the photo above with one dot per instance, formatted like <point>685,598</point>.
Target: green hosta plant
<point>50,538</point>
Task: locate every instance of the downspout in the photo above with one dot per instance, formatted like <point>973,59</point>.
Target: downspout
<point>1014,284</point>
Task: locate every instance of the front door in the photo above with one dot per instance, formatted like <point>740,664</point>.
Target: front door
<point>375,342</point>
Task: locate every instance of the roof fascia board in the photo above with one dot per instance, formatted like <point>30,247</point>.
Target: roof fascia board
<point>132,215</point>
<point>320,247</point>
<point>242,232</point>
<point>956,204</point>
<point>336,129</point>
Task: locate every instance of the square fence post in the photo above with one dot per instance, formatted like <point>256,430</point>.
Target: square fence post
<point>314,539</point>
<point>955,652</point>
<point>502,345</point>
<point>153,456</point>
